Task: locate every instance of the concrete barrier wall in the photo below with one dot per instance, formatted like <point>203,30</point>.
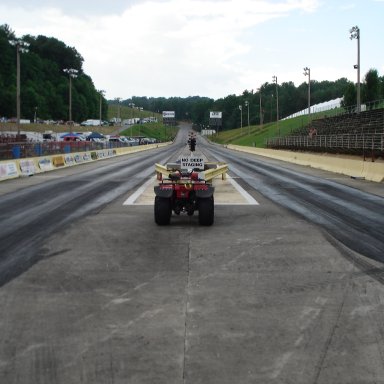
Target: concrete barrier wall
<point>10,169</point>
<point>373,171</point>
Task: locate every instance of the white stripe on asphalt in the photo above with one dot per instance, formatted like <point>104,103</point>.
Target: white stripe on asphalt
<point>243,192</point>
<point>131,199</point>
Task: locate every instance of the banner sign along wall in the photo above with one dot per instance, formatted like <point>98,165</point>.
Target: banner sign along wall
<point>8,170</point>
<point>192,163</point>
<point>27,167</point>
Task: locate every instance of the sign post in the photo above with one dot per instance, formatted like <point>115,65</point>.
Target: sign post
<point>215,120</point>
<point>169,118</point>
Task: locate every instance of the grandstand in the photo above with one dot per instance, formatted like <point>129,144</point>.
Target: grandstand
<point>350,133</point>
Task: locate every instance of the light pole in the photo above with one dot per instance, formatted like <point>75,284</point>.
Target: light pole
<point>355,34</point>
<point>307,72</point>
<point>132,105</point>
<point>118,110</point>
<point>260,107</point>
<point>247,105</point>
<point>101,93</point>
<point>140,109</point>
<point>21,47</point>
<point>241,118</point>
<point>274,78</point>
<point>72,74</point>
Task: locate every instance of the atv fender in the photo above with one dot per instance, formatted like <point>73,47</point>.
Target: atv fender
<point>205,193</point>
<point>163,192</point>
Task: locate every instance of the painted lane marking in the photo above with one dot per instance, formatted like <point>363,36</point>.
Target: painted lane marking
<point>131,199</point>
<point>250,200</point>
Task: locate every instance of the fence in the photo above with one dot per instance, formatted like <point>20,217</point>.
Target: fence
<point>27,149</point>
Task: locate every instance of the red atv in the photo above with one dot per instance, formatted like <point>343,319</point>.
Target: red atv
<point>184,192</point>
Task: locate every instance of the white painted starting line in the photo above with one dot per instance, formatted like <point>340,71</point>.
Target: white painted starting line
<point>243,192</point>
<point>245,199</point>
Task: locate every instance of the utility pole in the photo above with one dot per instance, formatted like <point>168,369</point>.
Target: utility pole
<point>241,118</point>
<point>101,92</point>
<point>249,127</point>
<point>21,47</point>
<point>72,74</point>
<point>274,78</point>
<point>307,72</point>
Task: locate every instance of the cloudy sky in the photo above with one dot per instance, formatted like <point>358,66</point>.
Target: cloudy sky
<point>208,48</point>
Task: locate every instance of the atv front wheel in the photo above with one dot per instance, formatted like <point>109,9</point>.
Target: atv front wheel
<point>163,210</point>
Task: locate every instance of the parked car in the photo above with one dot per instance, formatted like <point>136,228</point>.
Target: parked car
<point>116,139</point>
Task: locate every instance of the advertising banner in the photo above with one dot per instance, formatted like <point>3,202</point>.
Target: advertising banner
<point>27,167</point>
<point>8,170</point>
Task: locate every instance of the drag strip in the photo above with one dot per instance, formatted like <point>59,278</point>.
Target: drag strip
<point>93,291</point>
<point>352,216</point>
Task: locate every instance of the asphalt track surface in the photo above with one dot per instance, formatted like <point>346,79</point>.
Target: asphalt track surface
<point>290,291</point>
<point>352,216</point>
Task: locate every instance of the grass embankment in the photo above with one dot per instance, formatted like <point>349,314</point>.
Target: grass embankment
<point>256,135</point>
<point>155,130</point>
<point>129,113</point>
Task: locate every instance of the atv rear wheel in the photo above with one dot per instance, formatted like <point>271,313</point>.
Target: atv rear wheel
<point>163,210</point>
<point>206,211</point>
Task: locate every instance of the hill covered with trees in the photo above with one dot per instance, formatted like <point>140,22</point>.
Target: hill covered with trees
<point>44,84</point>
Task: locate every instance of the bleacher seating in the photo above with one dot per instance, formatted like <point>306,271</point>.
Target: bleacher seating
<point>363,122</point>
<point>354,133</point>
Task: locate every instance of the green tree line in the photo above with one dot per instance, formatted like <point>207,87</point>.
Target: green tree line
<point>291,99</point>
<point>44,84</point>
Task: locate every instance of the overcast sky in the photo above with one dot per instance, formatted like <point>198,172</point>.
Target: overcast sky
<point>208,48</point>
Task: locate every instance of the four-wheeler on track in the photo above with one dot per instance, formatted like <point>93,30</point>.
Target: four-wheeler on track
<point>184,192</point>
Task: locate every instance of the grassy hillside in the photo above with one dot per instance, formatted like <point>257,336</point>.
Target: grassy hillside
<point>129,113</point>
<point>256,135</point>
<point>155,130</point>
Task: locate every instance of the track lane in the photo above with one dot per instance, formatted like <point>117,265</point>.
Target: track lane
<point>30,215</point>
<point>352,216</point>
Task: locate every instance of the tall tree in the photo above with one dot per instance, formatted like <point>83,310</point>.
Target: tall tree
<point>372,86</point>
<point>349,98</point>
